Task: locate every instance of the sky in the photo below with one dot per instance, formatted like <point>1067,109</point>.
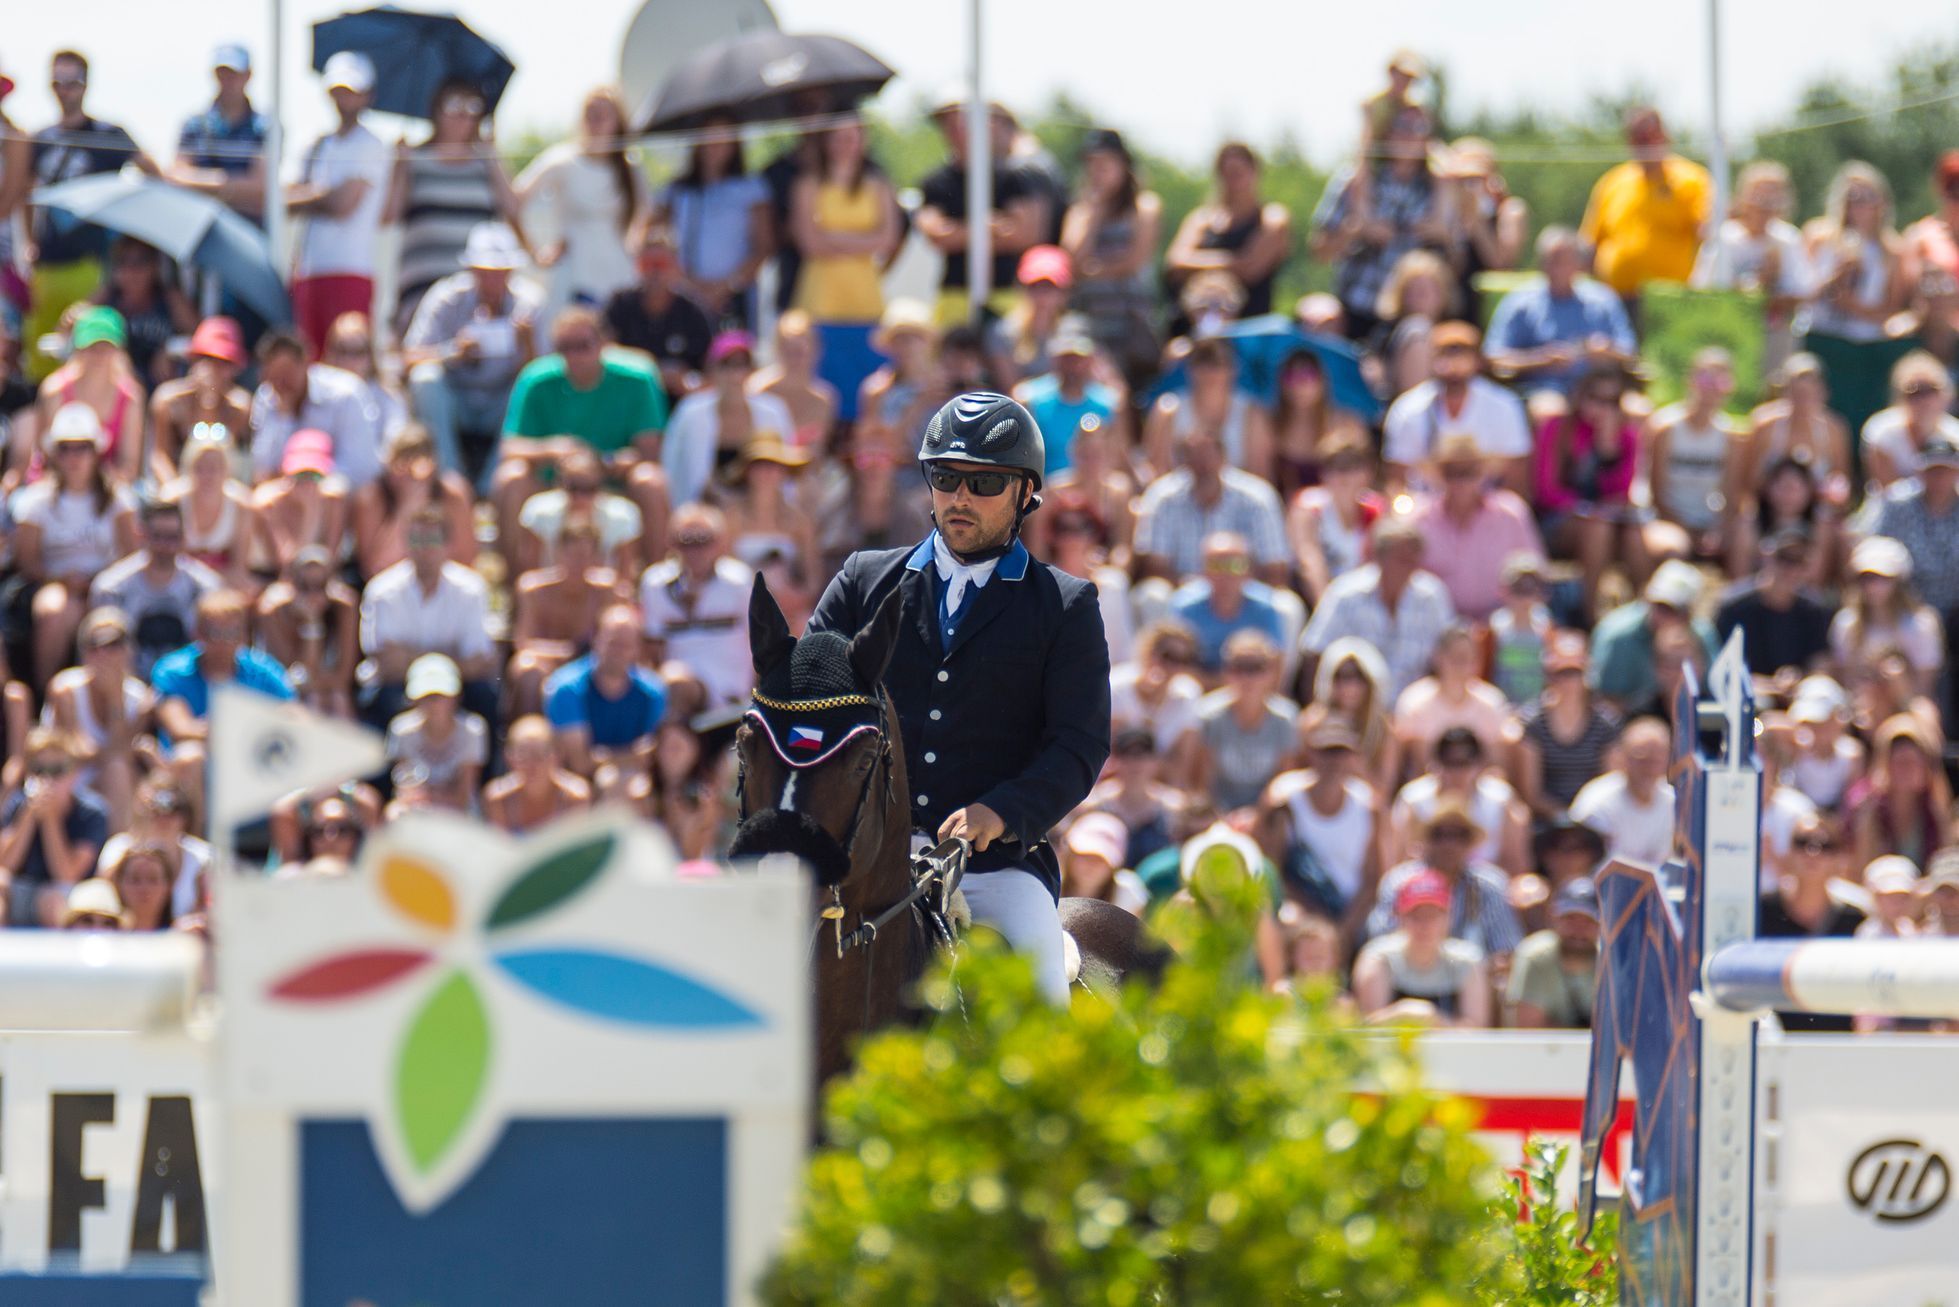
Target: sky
<point>1177,74</point>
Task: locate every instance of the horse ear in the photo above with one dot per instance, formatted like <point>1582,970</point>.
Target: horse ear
<point>769,641</point>
<point>870,648</point>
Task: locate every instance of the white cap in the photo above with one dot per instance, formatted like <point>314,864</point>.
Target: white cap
<point>1809,709</point>
<point>1891,874</point>
<point>492,245</point>
<point>1882,555</point>
<point>351,69</point>
<point>433,674</point>
<point>1100,835</point>
<point>1676,584</point>
<point>76,421</point>
<point>232,55</point>
<point>94,897</point>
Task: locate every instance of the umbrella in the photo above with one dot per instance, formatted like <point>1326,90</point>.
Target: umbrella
<point>413,54</point>
<point>188,227</point>
<point>1263,344</point>
<point>762,75</point>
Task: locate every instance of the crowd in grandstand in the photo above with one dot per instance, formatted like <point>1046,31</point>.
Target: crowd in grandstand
<point>1412,626</point>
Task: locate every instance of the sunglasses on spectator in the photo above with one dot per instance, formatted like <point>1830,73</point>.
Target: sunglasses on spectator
<point>468,104</point>
<point>348,349</point>
<point>1349,672</point>
<point>578,344</point>
<point>1246,667</point>
<point>735,363</point>
<point>1462,471</point>
<point>581,487</point>
<point>985,485</point>
<point>1919,390</point>
<point>95,921</point>
<point>694,539</point>
<point>48,768</point>
<point>1452,834</point>
<point>67,83</point>
<point>226,633</point>
<point>1229,566</point>
<point>107,640</point>
<point>1177,657</point>
<point>427,539</point>
<point>1603,396</point>
<point>1073,526</point>
<point>73,447</point>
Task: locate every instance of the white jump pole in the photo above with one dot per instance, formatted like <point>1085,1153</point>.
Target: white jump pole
<point>1900,978</point>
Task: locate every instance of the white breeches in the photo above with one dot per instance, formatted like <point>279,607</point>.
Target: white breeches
<point>1016,903</point>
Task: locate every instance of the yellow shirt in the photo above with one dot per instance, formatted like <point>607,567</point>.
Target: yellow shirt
<point>843,287</point>
<point>1642,232</point>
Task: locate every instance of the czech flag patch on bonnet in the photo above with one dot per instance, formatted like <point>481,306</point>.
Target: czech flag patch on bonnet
<point>805,738</point>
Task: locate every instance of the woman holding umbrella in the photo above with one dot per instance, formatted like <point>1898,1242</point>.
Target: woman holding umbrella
<point>594,194</point>
<point>444,187</point>
<point>720,219</point>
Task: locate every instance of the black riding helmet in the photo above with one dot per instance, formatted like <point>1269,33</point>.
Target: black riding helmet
<point>987,428</point>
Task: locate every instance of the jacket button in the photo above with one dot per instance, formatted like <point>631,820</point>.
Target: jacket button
<point>945,676</point>
<point>923,800</point>
<point>931,757</point>
<point>935,714</point>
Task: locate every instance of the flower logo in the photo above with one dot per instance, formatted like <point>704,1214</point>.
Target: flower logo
<point>442,1064</point>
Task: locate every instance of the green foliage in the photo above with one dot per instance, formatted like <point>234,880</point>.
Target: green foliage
<point>1680,322</point>
<point>1549,1265</point>
<point>1199,1144</point>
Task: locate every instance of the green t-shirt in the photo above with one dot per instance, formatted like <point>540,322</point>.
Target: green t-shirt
<point>627,401</point>
<point>1537,976</point>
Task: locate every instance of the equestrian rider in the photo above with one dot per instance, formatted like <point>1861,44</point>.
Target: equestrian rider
<point>1000,674</point>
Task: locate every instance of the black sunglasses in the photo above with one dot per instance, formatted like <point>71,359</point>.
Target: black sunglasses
<point>986,485</point>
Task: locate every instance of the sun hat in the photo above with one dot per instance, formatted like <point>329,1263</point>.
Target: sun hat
<point>94,897</point>
<point>492,246</point>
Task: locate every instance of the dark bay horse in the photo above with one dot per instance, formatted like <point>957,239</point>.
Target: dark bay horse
<point>823,778</point>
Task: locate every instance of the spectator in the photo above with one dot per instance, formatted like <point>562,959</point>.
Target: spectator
<point>1495,223</point>
<point>1211,402</point>
<point>813,403</point>
<point>1893,885</point>
<point>426,603</point>
<point>327,827</point>
<point>712,426</point>
<point>161,820</point>
<point>472,333</point>
<point>1880,611</point>
<point>154,311</point>
<point>1368,218</point>
<point>1322,826</point>
<point>1069,395</point>
<point>1110,235</point>
<point>1202,496</point>
<point>442,190</point>
<point>1471,528</point>
<point>1645,216</point>
<point>102,708</point>
<point>1921,513</point>
<point>1756,249</point>
<point>1456,769</point>
<point>656,315</point>
<point>1783,626</point>
<point>1457,398</point>
<point>294,395</point>
<point>1313,952</point>
<point>1098,470</point>
<point>16,181</point>
<point>341,194</point>
<point>720,217</point>
<point>1157,691</point>
<point>411,481</point>
<point>1479,904</point>
<point>591,195</point>
<point>1020,343</point>
<point>1306,424</point>
<point>557,609</point>
<point>1350,686</point>
<point>444,746</point>
<point>1799,423</point>
<point>1418,972</point>
<point>1246,731</point>
<point>51,829</point>
<point>309,621</point>
<point>610,402</point>
<point>1545,333</point>
<point>1904,804</point>
<point>1420,291</point>
<point>1567,732</point>
<point>1520,631</point>
<point>1695,456</point>
<point>68,526</point>
<point>68,252</point>
<point>1555,976</point>
<point>1077,543</point>
<point>156,588</point>
<point>1632,805</point>
<point>684,792</point>
<point>767,528</point>
<point>142,878</point>
<point>536,790</point>
<point>1892,443</point>
<point>1826,758</point>
<point>1800,905</point>
<point>1391,603</point>
<point>91,905</point>
<point>1585,464</point>
<point>20,427</point>
<point>1453,695</point>
<point>184,678</point>
<point>1328,524</point>
<point>605,707</point>
<point>696,606</point>
<point>221,151</point>
<point>350,347</point>
<point>1021,217</point>
<point>580,492</point>
<point>892,409</point>
<point>306,505</point>
<point>1093,866</point>
<point>217,510</point>
<point>1133,790</point>
<point>1237,231</point>
<point>99,376</point>
<point>1225,601</point>
<point>844,220</point>
<point>1932,259</point>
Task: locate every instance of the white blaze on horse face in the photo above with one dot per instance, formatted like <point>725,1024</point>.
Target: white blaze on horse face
<point>787,803</point>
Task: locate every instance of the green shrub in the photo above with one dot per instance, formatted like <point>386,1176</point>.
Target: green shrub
<point>1546,1261</point>
<point>1199,1144</point>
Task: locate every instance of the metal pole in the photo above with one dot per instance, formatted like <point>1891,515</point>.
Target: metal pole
<point>1717,143</point>
<point>979,171</point>
<point>275,139</point>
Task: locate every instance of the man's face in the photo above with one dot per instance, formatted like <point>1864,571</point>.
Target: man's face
<point>969,520</point>
<point>69,84</point>
<point>1787,566</point>
<point>699,547</point>
<point>1462,483</point>
<point>1647,135</point>
<point>428,543</point>
<point>285,372</point>
<point>491,284</point>
<point>580,346</point>
<point>1577,932</point>
<point>1399,561</point>
<point>1227,567</point>
<point>1455,365</point>
<point>1204,454</point>
<point>347,101</point>
<point>1074,370</point>
<point>163,536</point>
<point>231,82</point>
<point>1713,383</point>
<point>1448,846</point>
<point>1646,759</point>
<point>731,373</point>
<point>657,264</point>
<point>222,636</point>
<point>616,644</point>
<point>1560,263</point>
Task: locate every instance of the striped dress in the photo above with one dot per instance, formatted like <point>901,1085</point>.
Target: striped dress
<point>446,197</point>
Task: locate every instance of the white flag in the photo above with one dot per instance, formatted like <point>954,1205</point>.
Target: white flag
<point>263,749</point>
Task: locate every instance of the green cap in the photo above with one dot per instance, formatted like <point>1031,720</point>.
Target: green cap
<point>98,324</point>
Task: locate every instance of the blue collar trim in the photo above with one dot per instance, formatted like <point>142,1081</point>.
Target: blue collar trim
<point>1011,567</point>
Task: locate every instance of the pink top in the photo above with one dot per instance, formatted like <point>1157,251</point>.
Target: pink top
<point>1589,478</point>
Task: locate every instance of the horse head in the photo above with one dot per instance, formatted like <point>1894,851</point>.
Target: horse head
<point>822,773</point>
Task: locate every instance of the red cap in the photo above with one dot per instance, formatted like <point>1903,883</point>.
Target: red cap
<point>1426,888</point>
<point>1948,168</point>
<point>730,342</point>
<point>1046,263</point>
<point>219,338</point>
<point>309,450</point>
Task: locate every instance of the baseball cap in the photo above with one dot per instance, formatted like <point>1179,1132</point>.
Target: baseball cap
<point>351,69</point>
<point>433,673</point>
<point>1809,709</point>
<point>103,626</point>
<point>1565,652</point>
<point>1455,335</point>
<point>1822,689</point>
<point>1891,874</point>
<point>1100,835</point>
<point>492,246</point>
<point>1071,338</point>
<point>1882,556</point>
<point>219,338</point>
<point>94,897</point>
<point>1943,868</point>
<point>1579,897</point>
<point>308,450</point>
<point>1046,263</point>
<point>99,324</point>
<point>76,422</point>
<point>729,343</point>
<point>1331,734</point>
<point>232,55</point>
<point>1407,61</point>
<point>1427,888</point>
<point>1939,451</point>
<point>1522,565</point>
<point>1674,583</point>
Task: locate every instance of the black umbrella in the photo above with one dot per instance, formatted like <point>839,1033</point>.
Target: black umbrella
<point>413,54</point>
<point>764,75</point>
